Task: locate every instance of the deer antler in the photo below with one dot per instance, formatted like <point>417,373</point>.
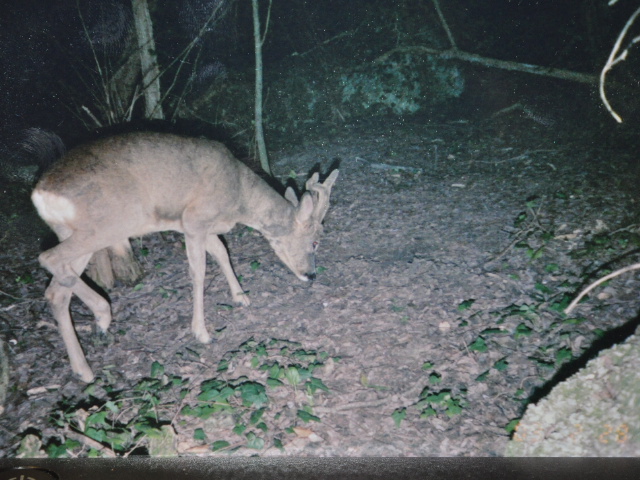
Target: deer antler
<point>322,192</point>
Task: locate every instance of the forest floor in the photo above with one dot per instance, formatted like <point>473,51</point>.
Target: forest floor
<point>450,249</point>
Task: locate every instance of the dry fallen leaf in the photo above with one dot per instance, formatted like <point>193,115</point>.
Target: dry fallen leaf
<point>198,449</point>
<point>444,326</point>
<point>302,432</point>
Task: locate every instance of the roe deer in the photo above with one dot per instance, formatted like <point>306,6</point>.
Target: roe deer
<point>101,194</point>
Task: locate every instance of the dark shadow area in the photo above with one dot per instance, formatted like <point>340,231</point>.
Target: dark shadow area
<point>611,338</point>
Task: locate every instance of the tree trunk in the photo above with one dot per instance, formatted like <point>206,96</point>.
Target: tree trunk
<point>258,41</point>
<point>118,262</point>
<point>148,60</point>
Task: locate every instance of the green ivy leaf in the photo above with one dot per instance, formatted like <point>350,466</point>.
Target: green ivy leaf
<point>314,384</point>
<point>399,415</point>
<point>56,451</point>
<point>256,416</point>
<point>98,418</point>
<point>157,370</point>
<point>262,426</point>
<point>253,394</point>
<point>466,304</point>
<point>501,365</point>
<point>479,345</point>
<point>563,355</point>
<point>219,444</point>
<point>255,442</point>
<point>292,375</point>
<point>307,417</point>
<point>511,426</point>
<point>522,330</point>
<point>428,412</point>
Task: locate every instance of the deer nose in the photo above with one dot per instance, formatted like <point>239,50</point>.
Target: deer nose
<point>311,276</point>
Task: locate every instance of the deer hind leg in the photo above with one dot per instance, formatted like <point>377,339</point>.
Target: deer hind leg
<point>66,268</point>
<point>217,250</point>
<point>59,296</point>
<point>197,256</point>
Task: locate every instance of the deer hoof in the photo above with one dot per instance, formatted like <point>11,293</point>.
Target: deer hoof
<point>241,299</point>
<point>86,376</point>
<point>202,337</point>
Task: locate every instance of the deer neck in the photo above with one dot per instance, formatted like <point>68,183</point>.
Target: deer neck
<point>263,208</point>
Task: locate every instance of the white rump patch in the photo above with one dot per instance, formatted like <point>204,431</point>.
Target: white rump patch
<point>53,208</point>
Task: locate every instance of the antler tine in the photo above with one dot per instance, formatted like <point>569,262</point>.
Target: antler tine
<point>312,181</point>
<point>322,191</point>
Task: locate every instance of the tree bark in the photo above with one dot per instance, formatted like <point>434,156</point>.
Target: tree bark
<point>148,60</point>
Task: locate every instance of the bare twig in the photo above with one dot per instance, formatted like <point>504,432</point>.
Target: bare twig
<point>326,42</point>
<point>351,406</point>
<point>91,443</point>
<point>615,58</point>
<point>10,296</point>
<point>572,305</point>
<point>182,56</point>
<point>519,236</point>
<point>92,116</point>
<point>445,25</point>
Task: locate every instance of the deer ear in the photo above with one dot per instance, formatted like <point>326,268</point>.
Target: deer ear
<point>290,195</point>
<point>305,209</point>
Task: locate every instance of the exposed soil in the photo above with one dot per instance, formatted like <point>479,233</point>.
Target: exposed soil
<point>444,275</point>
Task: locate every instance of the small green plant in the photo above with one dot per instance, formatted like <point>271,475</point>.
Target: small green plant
<point>529,233</point>
<point>563,355</point>
<point>427,366</point>
<point>511,426</point>
<point>501,365</point>
<point>522,330</point>
<point>287,366</point>
<point>164,293</point>
<point>25,279</point>
<point>109,422</point>
<point>479,345</point>
<point>607,244</point>
<point>116,423</point>
<point>466,305</point>
<point>440,402</point>
<point>399,415</point>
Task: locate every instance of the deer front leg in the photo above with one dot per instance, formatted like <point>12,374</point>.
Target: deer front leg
<point>217,250</point>
<point>197,256</point>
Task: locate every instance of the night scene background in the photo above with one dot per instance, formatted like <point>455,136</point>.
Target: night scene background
<point>483,184</point>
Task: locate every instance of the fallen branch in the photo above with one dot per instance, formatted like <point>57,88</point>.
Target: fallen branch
<point>456,54</point>
<point>572,305</point>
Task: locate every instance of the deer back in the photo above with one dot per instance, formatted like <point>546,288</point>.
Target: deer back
<point>138,183</point>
